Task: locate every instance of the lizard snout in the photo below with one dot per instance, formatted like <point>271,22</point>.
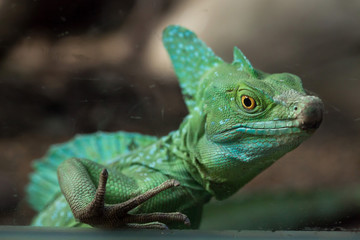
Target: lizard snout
<point>311,115</point>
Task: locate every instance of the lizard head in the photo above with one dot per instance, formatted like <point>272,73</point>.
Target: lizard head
<point>252,106</point>
<point>250,120</point>
<point>240,119</point>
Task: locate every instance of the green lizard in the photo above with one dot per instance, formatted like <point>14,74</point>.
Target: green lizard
<point>241,120</point>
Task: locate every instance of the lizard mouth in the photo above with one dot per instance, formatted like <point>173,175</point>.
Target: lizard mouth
<point>270,128</point>
<point>305,123</point>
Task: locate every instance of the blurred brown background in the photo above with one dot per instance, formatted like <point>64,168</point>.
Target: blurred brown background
<point>69,67</point>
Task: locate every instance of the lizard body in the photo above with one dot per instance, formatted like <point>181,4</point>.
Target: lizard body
<point>240,121</point>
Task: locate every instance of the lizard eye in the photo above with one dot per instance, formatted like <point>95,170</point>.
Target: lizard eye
<point>248,102</point>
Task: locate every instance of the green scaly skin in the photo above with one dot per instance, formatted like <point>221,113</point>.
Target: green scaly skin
<point>240,121</point>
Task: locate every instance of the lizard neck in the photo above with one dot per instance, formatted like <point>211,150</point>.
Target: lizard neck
<point>222,169</point>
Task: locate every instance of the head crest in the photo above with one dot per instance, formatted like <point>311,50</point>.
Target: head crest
<point>243,63</point>
<point>191,59</point>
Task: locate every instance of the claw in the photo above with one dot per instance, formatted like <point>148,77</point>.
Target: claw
<point>176,183</point>
<point>104,173</point>
<point>100,191</point>
<point>187,222</point>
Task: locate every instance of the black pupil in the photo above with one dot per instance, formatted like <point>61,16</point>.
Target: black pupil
<point>247,102</point>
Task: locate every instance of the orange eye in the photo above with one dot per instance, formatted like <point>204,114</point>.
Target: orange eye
<point>248,102</point>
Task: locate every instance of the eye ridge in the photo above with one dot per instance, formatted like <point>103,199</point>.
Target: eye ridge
<point>248,102</point>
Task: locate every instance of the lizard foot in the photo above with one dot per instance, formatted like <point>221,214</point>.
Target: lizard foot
<point>97,214</point>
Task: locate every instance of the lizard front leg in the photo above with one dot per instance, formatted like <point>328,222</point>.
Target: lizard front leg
<point>88,202</point>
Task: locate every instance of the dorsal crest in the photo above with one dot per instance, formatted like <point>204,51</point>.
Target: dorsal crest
<point>191,59</point>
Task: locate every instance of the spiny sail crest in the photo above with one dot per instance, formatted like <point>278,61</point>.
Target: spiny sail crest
<point>243,63</point>
<point>191,59</point>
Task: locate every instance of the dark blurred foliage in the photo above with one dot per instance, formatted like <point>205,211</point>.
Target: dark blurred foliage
<point>54,20</point>
<point>51,105</point>
<point>57,19</point>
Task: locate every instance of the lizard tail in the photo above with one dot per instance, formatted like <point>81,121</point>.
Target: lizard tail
<point>100,147</point>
